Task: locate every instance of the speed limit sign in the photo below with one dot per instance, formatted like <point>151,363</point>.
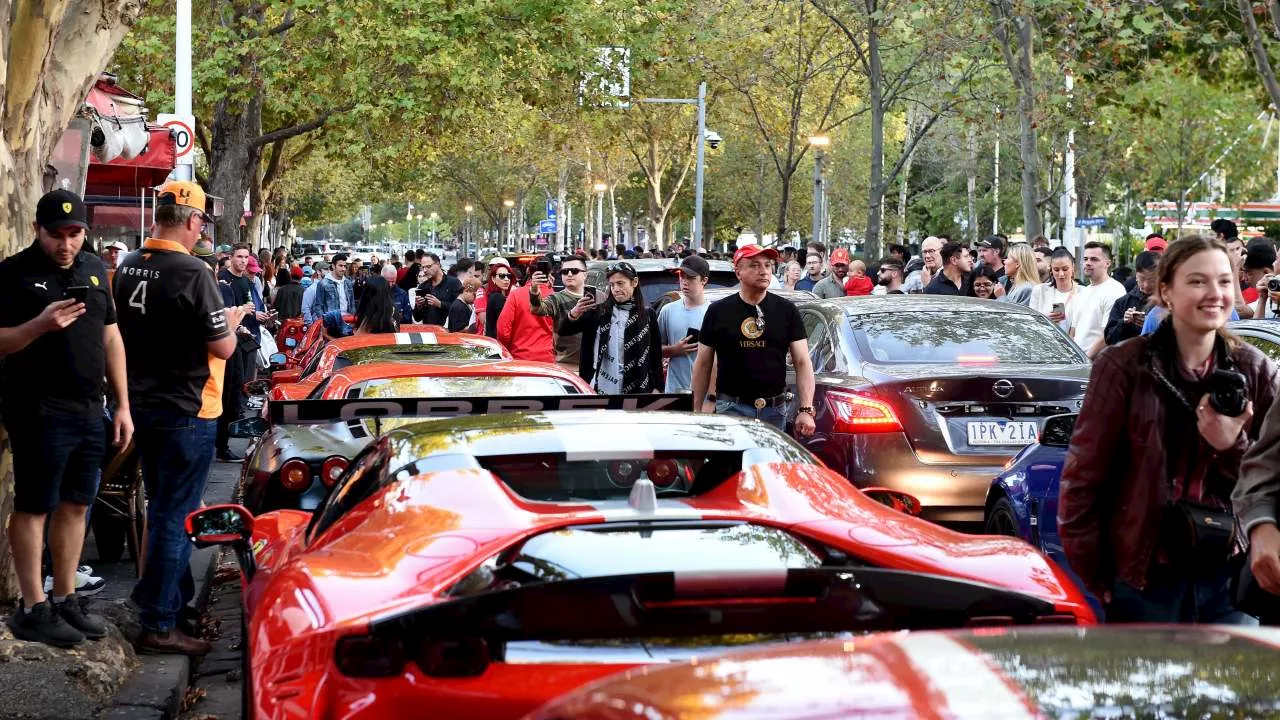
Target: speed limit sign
<point>183,131</point>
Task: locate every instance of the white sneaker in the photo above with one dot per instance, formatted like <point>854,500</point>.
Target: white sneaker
<point>86,583</point>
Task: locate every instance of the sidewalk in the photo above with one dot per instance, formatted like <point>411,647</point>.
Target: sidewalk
<point>105,678</point>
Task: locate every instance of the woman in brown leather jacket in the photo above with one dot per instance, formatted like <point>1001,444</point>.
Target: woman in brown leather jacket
<point>1151,455</point>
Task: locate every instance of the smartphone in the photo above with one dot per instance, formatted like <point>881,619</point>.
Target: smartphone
<point>693,335</point>
<point>543,266</point>
<point>79,293</point>
<point>1060,308</point>
<point>589,291</point>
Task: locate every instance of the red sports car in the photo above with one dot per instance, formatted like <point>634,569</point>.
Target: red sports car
<point>1205,671</point>
<point>293,465</point>
<point>477,567</point>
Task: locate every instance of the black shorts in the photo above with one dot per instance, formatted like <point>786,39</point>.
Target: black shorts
<point>57,455</point>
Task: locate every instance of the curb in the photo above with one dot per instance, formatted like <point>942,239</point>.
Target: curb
<point>156,688</point>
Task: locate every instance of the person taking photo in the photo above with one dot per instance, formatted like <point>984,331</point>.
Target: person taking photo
<point>621,346</point>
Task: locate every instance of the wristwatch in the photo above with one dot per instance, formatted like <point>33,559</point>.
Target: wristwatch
<point>807,409</point>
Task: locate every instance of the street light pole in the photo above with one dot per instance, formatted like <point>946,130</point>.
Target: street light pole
<point>819,143</point>
<point>599,239</point>
<point>467,232</point>
<point>701,102</point>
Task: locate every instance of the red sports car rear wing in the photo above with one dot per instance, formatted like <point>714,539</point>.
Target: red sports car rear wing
<point>319,411</point>
<point>460,637</point>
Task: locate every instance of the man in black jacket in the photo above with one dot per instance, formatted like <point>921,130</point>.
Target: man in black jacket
<point>621,343</point>
<point>1130,311</point>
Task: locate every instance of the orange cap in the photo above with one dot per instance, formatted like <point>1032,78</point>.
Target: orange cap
<point>182,192</point>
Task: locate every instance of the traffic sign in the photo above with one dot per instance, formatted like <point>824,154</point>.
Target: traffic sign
<point>183,129</point>
<point>546,227</point>
<point>551,210</point>
<point>1091,222</point>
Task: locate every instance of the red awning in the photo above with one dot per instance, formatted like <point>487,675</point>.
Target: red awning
<point>127,178</point>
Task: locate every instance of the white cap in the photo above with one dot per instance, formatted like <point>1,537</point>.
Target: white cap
<point>116,245</point>
<point>498,260</point>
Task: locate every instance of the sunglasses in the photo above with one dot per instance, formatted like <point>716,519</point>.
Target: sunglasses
<point>622,267</point>
<point>570,271</point>
<point>759,318</point>
<point>503,276</point>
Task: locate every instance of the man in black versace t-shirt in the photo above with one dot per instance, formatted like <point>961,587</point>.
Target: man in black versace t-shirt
<point>748,336</point>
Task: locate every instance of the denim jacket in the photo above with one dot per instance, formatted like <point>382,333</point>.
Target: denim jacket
<point>327,297</point>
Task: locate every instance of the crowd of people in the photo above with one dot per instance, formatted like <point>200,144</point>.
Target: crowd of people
<point>158,342</point>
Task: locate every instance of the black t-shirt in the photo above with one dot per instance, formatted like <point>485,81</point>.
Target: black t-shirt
<point>447,291</point>
<point>494,302</point>
<point>170,309</point>
<point>942,285</point>
<point>238,290</point>
<point>459,316</point>
<point>64,366</point>
<point>751,363</point>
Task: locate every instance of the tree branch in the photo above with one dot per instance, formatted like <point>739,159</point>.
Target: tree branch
<point>1260,57</point>
<point>300,128</point>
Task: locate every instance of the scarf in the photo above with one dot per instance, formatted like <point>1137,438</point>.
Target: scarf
<point>635,348</point>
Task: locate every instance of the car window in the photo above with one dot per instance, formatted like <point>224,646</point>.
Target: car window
<point>1268,348</point>
<point>365,476</point>
<point>314,364</point>
<point>820,347</point>
<point>317,392</point>
<point>952,336</point>
<point>461,386</point>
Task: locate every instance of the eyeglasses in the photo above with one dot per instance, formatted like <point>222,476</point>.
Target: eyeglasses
<point>759,318</point>
<point>570,271</point>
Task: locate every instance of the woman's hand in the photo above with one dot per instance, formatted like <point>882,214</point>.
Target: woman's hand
<point>1217,429</point>
<point>1264,556</point>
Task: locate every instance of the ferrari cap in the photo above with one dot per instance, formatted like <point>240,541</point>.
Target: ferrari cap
<point>59,209</point>
<point>839,256</point>
<point>182,192</point>
<point>750,251</point>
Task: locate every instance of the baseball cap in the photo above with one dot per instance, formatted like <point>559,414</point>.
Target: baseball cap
<point>695,265</point>
<point>750,251</point>
<point>993,242</point>
<point>296,272</point>
<point>320,266</point>
<point>253,266</point>
<point>116,245</point>
<point>59,209</point>
<point>224,249</point>
<point>308,271</point>
<point>184,193</point>
<point>1260,255</point>
<point>1157,244</point>
<point>839,256</point>
<point>499,260</point>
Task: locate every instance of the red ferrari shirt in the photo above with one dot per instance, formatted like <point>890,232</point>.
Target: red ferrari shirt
<point>525,335</point>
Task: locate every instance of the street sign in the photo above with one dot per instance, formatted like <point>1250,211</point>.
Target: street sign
<point>183,128</point>
<point>547,227</point>
<point>1091,222</point>
<point>551,210</point>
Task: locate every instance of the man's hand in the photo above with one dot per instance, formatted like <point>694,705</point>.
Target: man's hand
<point>262,317</point>
<point>584,304</point>
<point>926,277</point>
<point>122,427</point>
<point>433,301</point>
<point>235,315</point>
<point>686,346</point>
<point>538,279</point>
<point>1133,316</point>
<point>805,426</point>
<point>59,315</point>
<point>1264,556</point>
<point>1217,429</point>
<point>997,291</point>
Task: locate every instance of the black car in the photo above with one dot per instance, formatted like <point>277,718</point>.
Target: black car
<point>933,395</point>
<point>658,277</point>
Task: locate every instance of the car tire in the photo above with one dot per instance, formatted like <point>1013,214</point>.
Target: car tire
<point>1001,519</point>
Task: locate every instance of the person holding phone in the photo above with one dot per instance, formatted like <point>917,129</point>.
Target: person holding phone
<point>573,271</point>
<point>1130,311</point>
<point>58,340</point>
<point>621,350</point>
<point>680,323</point>
<point>1053,298</point>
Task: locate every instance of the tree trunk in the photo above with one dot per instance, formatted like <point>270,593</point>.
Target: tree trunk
<point>905,178</point>
<point>1018,59</point>
<point>562,195</point>
<point>1261,60</point>
<point>971,184</point>
<point>875,101</point>
<point>783,204</point>
<point>55,50</point>
<point>233,160</point>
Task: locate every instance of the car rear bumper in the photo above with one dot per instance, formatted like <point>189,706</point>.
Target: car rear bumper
<point>948,492</point>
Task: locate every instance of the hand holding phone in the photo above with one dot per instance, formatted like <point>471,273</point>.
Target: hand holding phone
<point>79,293</point>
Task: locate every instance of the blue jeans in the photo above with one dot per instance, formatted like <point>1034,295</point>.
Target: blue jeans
<point>1181,598</point>
<point>176,452</point>
<point>776,417</point>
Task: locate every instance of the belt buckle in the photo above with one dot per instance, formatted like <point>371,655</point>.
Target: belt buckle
<point>760,403</point>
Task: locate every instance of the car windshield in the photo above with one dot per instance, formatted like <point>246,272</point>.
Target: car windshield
<point>461,386</point>
<point>949,336</point>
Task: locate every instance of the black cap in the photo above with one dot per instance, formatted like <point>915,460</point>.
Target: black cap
<point>695,265</point>
<point>59,209</point>
<point>1259,255</point>
<point>992,241</point>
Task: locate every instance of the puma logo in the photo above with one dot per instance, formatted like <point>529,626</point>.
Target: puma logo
<point>43,286</point>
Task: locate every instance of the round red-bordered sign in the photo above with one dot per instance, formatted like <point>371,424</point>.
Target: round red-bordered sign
<point>183,137</point>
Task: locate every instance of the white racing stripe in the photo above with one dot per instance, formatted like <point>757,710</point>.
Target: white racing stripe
<point>971,686</point>
<point>1261,635</point>
<point>604,443</point>
<point>416,338</point>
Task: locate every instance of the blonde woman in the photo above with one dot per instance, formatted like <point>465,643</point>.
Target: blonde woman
<point>792,274</point>
<point>1054,297</point>
<point>1020,268</point>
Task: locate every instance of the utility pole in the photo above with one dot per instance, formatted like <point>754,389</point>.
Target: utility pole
<point>182,79</point>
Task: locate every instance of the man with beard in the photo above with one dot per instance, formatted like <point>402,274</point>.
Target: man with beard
<point>953,278</point>
<point>832,286</point>
<point>889,278</point>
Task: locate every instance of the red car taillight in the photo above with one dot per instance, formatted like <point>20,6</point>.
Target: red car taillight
<point>332,469</point>
<point>856,413</point>
<point>295,475</point>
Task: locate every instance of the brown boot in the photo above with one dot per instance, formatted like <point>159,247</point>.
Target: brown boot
<point>174,642</point>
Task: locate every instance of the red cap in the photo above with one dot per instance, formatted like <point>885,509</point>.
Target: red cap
<point>1157,243</point>
<point>840,256</point>
<point>296,272</point>
<point>750,251</point>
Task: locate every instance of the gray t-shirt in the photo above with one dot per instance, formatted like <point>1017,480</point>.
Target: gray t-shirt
<point>608,379</point>
<point>674,322</point>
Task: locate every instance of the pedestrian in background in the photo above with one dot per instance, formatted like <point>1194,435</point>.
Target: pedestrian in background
<point>791,274</point>
<point>288,298</point>
<point>376,309</point>
<point>573,272</point>
<point>1020,268</point>
<point>525,335</point>
<point>58,340</point>
<point>680,323</point>
<point>436,293</point>
<point>235,283</point>
<point>1088,315</point>
<point>1129,312</point>
<point>335,293</point>
<point>832,286</point>
<point>489,305</point>
<point>178,334</point>
<point>952,277</point>
<point>1145,503</point>
<point>462,313</point>
<point>621,343</point>
<point>745,340</point>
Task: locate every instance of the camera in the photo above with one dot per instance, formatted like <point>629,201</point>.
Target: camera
<point>1274,284</point>
<point>713,139</point>
<point>1227,392</point>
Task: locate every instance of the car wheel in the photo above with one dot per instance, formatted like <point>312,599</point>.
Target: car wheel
<point>1001,520</point>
